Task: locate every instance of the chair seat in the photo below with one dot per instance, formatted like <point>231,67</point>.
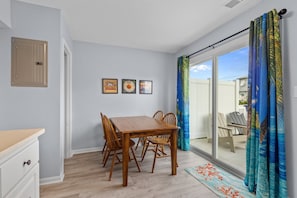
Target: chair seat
<point>131,144</point>
<point>159,140</point>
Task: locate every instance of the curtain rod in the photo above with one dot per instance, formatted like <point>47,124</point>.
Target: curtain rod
<point>280,13</point>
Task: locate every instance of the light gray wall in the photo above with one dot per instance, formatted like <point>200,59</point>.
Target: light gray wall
<point>91,63</point>
<point>29,107</point>
<point>290,69</point>
<point>5,14</point>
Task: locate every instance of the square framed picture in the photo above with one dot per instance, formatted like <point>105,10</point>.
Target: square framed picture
<point>128,86</point>
<point>145,86</point>
<point>109,86</point>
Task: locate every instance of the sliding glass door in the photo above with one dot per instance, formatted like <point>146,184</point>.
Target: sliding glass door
<point>218,95</point>
<point>231,109</point>
<point>200,91</point>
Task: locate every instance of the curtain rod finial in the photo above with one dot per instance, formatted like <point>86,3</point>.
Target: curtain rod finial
<point>282,12</point>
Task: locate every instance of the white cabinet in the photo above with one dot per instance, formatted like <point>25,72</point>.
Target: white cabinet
<point>19,163</point>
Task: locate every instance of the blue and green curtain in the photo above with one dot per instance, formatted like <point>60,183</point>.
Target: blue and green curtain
<point>265,152</point>
<point>183,103</point>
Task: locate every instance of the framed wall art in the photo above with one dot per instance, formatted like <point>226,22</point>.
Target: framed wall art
<point>145,86</point>
<point>109,86</point>
<point>128,86</point>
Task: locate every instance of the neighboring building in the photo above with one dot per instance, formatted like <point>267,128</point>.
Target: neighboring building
<point>243,90</point>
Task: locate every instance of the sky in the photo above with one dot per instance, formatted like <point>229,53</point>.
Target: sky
<point>230,66</point>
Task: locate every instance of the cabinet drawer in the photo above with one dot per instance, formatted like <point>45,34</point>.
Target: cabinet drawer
<point>16,168</point>
<point>28,187</point>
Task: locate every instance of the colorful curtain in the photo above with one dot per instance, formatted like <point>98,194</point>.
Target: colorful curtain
<point>183,103</point>
<point>265,152</point>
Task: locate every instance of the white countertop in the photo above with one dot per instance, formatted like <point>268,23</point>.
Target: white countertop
<point>10,139</point>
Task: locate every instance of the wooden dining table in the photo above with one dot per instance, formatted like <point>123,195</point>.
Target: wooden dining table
<point>143,126</point>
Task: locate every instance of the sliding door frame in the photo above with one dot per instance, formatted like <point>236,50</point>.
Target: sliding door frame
<point>213,54</point>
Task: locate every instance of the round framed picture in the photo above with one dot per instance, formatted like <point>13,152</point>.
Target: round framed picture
<point>128,86</point>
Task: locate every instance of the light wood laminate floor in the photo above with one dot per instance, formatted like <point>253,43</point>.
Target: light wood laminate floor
<point>86,178</point>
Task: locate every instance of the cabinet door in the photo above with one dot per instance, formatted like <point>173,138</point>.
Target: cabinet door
<point>28,187</point>
<point>28,63</point>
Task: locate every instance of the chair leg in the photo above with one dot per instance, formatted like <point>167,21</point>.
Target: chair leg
<point>104,147</point>
<point>118,159</point>
<point>139,140</point>
<point>156,151</point>
<point>146,145</point>
<point>232,145</point>
<point>107,153</point>
<point>133,153</point>
<point>104,153</point>
<point>112,164</point>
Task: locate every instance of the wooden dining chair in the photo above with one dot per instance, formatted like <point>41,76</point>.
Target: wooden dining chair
<point>158,115</point>
<point>104,136</point>
<point>114,145</point>
<point>104,131</point>
<point>159,142</point>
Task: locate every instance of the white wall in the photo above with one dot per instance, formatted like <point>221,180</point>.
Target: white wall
<point>30,107</point>
<point>91,63</point>
<point>5,14</point>
<point>290,69</point>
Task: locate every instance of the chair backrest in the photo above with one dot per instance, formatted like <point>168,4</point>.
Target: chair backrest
<point>223,129</point>
<point>158,115</point>
<point>110,134</point>
<point>170,118</point>
<point>237,118</point>
<point>103,126</point>
<point>222,122</point>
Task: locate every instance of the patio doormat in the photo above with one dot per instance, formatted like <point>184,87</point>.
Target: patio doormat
<point>219,181</point>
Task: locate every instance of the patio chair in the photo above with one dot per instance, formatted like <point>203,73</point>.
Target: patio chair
<point>225,130</point>
<point>225,134</point>
<point>237,120</point>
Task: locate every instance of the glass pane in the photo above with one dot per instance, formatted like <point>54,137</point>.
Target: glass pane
<point>201,106</point>
<point>232,99</point>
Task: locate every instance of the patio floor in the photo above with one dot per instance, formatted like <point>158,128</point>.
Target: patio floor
<point>236,160</point>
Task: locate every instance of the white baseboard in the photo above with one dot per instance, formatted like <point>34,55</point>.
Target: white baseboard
<point>52,180</point>
<point>86,150</point>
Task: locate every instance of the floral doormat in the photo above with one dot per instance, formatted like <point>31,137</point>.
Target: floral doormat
<point>219,181</point>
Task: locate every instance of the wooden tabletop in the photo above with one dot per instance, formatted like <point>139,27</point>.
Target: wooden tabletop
<point>140,124</point>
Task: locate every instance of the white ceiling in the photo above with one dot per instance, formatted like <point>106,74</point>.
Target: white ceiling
<point>158,25</point>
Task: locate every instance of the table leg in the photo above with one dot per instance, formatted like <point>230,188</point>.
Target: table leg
<point>173,151</point>
<point>125,142</point>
